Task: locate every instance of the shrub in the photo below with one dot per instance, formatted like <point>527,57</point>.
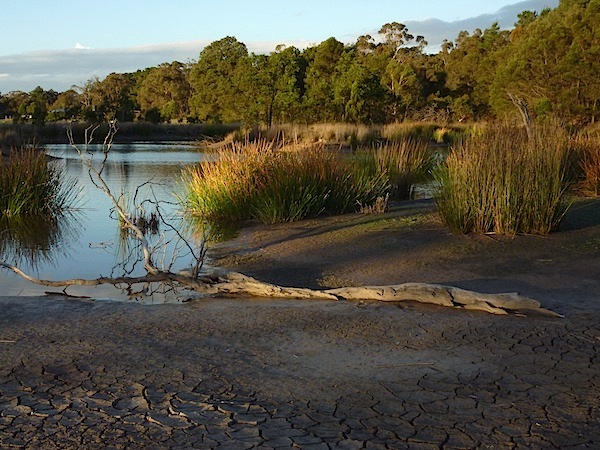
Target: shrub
<point>587,150</point>
<point>505,182</point>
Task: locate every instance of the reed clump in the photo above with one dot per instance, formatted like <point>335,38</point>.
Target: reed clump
<point>356,135</point>
<point>405,163</point>
<point>505,182</point>
<point>272,183</point>
<point>586,147</point>
<point>31,186</point>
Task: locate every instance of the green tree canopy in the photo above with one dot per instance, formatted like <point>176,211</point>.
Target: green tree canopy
<point>319,96</point>
<point>216,81</point>
<point>165,89</point>
<point>553,63</point>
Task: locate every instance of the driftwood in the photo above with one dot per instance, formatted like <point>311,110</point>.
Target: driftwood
<point>234,284</point>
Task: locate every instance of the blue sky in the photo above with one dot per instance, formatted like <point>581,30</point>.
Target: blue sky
<point>57,43</point>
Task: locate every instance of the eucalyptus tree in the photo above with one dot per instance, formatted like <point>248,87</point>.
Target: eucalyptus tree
<point>282,81</point>
<point>359,96</point>
<point>115,98</point>
<point>216,80</point>
<point>403,74</point>
<point>66,106</point>
<point>5,110</point>
<point>471,63</point>
<point>13,101</point>
<point>89,98</point>
<point>319,96</point>
<point>166,90</point>
<point>107,99</point>
<point>33,107</point>
<point>553,63</point>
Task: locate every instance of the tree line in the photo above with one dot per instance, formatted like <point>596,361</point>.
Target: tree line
<point>547,65</point>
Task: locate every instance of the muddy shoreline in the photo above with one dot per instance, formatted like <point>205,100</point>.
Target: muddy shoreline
<point>252,373</point>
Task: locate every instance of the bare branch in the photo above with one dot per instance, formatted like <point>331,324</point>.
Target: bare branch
<point>183,280</point>
<point>523,108</point>
<point>96,177</point>
<point>231,283</point>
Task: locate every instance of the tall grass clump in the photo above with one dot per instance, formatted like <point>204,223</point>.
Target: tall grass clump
<point>400,131</point>
<point>405,163</point>
<point>263,181</point>
<point>29,185</point>
<point>586,147</point>
<point>504,182</point>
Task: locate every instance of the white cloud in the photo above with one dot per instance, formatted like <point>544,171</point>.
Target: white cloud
<point>79,46</point>
<point>60,69</point>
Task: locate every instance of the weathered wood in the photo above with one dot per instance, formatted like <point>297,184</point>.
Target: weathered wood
<point>237,284</point>
<point>234,284</point>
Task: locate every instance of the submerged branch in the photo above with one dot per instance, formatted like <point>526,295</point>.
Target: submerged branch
<point>159,276</point>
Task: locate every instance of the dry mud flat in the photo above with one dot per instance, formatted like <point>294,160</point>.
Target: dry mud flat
<point>322,374</point>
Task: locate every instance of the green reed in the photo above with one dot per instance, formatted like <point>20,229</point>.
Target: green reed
<point>505,182</point>
<point>405,163</point>
<point>29,185</point>
<point>261,180</point>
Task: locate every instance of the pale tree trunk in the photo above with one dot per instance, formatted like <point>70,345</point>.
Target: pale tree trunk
<point>523,108</point>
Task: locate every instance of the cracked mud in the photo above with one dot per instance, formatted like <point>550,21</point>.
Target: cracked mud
<point>291,374</point>
<point>237,374</point>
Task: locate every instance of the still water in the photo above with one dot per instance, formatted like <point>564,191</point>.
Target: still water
<point>87,242</point>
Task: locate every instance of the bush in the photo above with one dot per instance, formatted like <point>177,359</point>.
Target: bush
<point>405,163</point>
<point>504,182</point>
<point>273,184</point>
<point>587,150</point>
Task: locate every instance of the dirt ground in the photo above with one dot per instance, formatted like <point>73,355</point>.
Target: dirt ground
<point>410,244</point>
<point>248,373</point>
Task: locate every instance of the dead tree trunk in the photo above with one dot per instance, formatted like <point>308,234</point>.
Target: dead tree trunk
<point>523,108</point>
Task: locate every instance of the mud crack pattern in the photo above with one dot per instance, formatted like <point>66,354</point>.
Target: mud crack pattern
<point>280,374</point>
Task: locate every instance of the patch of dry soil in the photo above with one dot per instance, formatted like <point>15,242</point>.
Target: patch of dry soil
<point>410,244</point>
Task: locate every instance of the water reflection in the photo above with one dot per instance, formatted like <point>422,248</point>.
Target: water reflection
<point>93,244</point>
<point>32,241</point>
<point>210,231</point>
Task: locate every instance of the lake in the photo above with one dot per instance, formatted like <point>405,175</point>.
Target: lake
<point>87,243</point>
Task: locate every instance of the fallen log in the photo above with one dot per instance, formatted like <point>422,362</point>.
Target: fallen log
<point>234,284</point>
<point>237,284</point>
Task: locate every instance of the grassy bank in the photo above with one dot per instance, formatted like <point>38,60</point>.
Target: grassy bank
<point>359,135</point>
<point>270,182</point>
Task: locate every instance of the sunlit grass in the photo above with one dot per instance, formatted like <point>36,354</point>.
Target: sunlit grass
<point>29,185</point>
<point>356,135</point>
<point>263,181</point>
<point>405,163</point>
<point>504,182</point>
<point>587,152</point>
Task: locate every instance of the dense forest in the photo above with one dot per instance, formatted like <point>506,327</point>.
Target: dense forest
<point>547,65</point>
